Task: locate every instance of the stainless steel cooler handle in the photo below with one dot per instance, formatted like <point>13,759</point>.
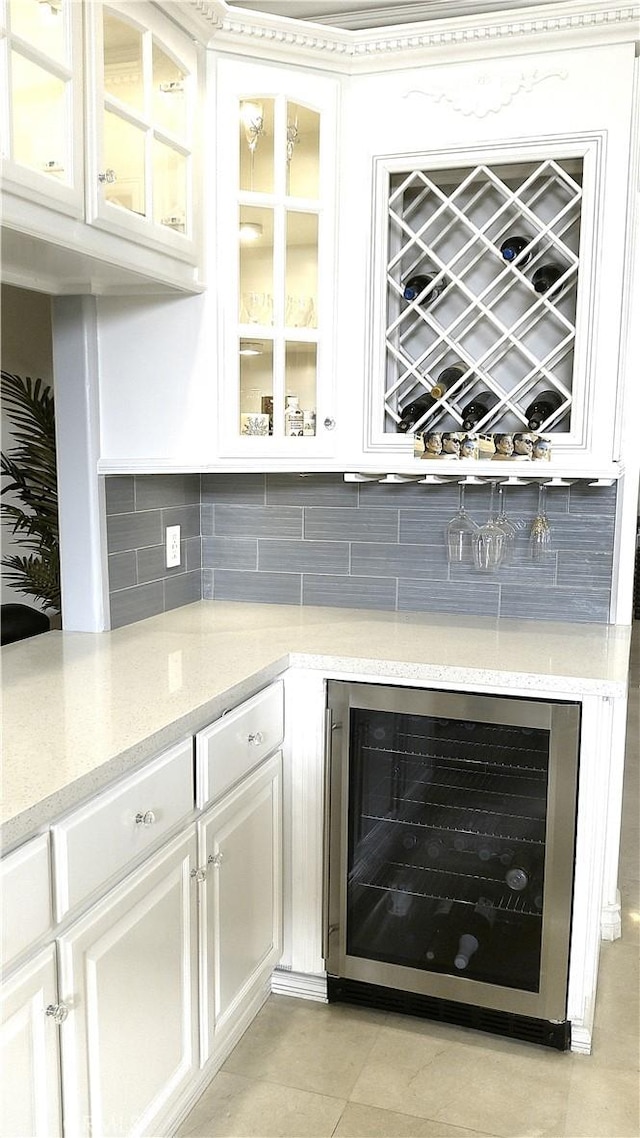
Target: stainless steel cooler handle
<point>329,728</point>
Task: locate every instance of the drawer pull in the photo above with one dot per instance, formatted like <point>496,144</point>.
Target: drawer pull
<point>146,819</point>
<point>256,738</point>
<point>58,1012</point>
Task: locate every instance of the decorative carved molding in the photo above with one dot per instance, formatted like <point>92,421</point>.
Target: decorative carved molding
<point>353,45</point>
<point>488,93</point>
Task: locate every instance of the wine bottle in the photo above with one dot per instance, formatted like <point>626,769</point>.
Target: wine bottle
<point>546,276</point>
<point>445,380</point>
<point>441,930</point>
<point>542,408</point>
<point>417,285</point>
<point>477,409</point>
<point>518,874</point>
<point>476,927</point>
<point>434,847</point>
<point>514,245</point>
<point>410,414</point>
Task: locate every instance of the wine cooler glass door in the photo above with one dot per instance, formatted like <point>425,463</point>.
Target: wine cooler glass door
<point>457,846</point>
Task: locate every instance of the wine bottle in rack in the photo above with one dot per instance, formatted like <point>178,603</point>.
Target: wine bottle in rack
<point>417,285</point>
<point>519,873</point>
<point>475,930</point>
<point>546,276</point>
<point>542,407</point>
<point>445,380</point>
<point>476,410</point>
<point>512,246</point>
<point>434,848</point>
<point>410,414</point>
<point>441,933</point>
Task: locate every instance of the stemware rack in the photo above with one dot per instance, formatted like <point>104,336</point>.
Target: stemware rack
<point>489,321</point>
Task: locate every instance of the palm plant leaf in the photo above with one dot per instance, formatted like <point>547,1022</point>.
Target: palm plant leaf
<point>29,474</point>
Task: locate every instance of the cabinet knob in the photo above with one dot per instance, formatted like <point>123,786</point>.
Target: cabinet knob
<point>329,424</point>
<point>58,1012</point>
<point>200,874</point>
<point>256,738</point>
<point>146,819</point>
<point>215,859</point>
<point>107,177</point>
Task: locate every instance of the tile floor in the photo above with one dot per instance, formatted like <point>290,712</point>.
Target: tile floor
<point>307,1069</point>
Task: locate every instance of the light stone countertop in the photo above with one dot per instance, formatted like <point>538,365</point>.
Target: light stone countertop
<point>80,709</point>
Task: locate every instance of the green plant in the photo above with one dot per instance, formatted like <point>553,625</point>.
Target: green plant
<point>30,470</point>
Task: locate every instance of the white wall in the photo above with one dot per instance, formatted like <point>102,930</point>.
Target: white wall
<point>26,350</point>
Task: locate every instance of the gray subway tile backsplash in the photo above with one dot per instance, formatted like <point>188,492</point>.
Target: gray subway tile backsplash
<point>318,540</point>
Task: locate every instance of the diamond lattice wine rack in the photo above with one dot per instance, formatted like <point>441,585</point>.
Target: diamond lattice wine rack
<point>496,315</point>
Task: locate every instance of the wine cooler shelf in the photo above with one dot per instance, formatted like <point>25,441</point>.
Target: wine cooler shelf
<point>481,285</point>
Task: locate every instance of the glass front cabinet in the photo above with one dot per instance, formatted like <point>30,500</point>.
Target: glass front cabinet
<point>144,114</point>
<point>42,93</point>
<point>276,200</point>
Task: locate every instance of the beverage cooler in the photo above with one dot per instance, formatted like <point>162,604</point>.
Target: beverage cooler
<point>449,856</point>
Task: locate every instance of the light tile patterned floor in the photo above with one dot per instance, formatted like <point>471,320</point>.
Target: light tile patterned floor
<point>306,1069</point>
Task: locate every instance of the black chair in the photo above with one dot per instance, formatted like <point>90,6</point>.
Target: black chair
<point>17,622</point>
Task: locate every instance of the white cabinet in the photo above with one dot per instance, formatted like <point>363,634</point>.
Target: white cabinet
<point>442,164</point>
<point>128,972</point>
<point>240,860</point>
<point>101,167</point>
<point>25,886</point>
<point>142,121</point>
<point>29,1051</point>
<point>231,747</point>
<point>100,841</point>
<point>275,199</point>
<point>42,91</point>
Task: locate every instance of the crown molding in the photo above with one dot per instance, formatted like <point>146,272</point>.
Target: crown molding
<point>572,21</point>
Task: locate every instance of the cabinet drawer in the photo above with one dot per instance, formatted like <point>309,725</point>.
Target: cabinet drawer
<point>97,842</point>
<point>237,742</point>
<point>25,882</point>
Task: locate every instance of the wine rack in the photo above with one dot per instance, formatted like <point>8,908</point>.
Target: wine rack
<point>506,338</point>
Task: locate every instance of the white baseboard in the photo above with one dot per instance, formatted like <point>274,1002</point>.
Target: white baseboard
<point>580,1040</point>
<point>301,984</point>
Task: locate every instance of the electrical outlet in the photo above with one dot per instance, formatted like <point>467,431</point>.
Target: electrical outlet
<point>172,539</point>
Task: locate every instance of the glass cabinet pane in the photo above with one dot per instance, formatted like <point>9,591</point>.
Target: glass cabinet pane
<point>123,73</point>
<point>301,270</point>
<point>300,381</point>
<point>124,147</point>
<point>42,25</point>
<point>256,387</point>
<point>169,187</point>
<point>169,105</point>
<point>38,118</point>
<point>303,151</point>
<point>256,265</point>
<point>256,145</point>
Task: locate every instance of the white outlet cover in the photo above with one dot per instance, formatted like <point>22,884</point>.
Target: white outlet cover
<point>172,537</point>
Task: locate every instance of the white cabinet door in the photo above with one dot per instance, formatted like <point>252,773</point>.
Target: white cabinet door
<point>240,843</point>
<point>41,103</point>
<point>142,124</point>
<point>276,194</point>
<point>128,970</point>
<point>29,1052</point>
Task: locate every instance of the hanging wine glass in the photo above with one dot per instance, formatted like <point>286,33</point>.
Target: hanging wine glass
<point>460,533</point>
<point>540,533</point>
<point>507,528</point>
<point>489,542</point>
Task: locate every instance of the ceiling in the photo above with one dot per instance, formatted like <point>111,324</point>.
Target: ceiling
<point>361,14</point>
